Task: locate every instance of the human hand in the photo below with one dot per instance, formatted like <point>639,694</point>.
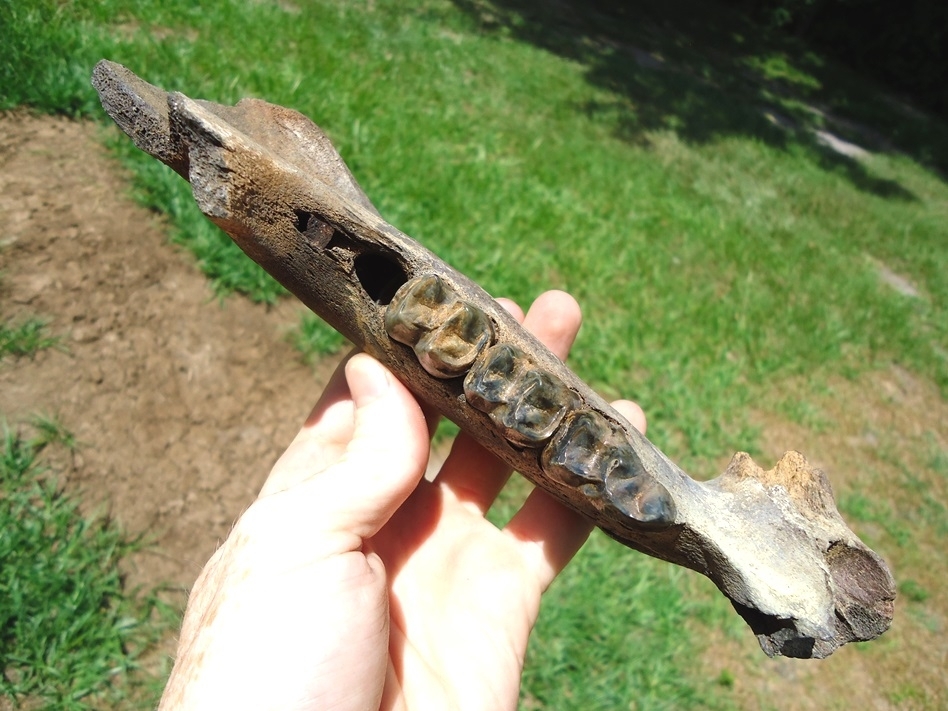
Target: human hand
<point>353,583</point>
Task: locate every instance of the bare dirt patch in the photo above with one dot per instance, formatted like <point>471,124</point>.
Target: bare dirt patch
<point>180,402</point>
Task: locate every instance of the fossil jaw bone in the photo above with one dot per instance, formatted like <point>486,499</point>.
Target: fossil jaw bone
<point>773,542</point>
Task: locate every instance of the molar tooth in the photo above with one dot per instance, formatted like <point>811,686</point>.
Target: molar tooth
<point>539,402</point>
<point>632,493</point>
<point>525,401</point>
<point>593,454</point>
<point>446,332</point>
<point>490,380</point>
<point>415,308</point>
<point>575,454</point>
<point>451,348</point>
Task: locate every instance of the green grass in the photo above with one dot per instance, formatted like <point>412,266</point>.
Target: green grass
<point>613,631</point>
<point>315,339</point>
<point>594,649</point>
<point>25,338</point>
<point>717,247</point>
<point>70,633</point>
<point>916,511</point>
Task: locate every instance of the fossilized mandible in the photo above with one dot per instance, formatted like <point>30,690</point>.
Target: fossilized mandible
<point>772,541</point>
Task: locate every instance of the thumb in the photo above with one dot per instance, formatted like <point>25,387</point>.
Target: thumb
<point>388,452</point>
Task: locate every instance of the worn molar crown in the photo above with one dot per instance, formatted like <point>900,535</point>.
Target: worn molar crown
<point>594,455</point>
<point>525,401</point>
<point>529,404</point>
<point>446,333</point>
<point>574,456</point>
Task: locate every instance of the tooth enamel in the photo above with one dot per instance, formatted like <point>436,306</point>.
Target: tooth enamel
<point>591,453</point>
<point>446,333</point>
<point>526,402</point>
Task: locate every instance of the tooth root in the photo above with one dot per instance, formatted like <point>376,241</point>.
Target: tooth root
<point>591,453</point>
<point>446,333</point>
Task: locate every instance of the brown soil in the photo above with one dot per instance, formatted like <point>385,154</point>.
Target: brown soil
<point>181,403</point>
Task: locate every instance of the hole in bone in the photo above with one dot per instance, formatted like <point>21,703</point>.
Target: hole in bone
<point>302,220</point>
<point>380,276</point>
<point>316,231</point>
<point>776,635</point>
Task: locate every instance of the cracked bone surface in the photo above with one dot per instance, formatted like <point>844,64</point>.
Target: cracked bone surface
<point>772,541</point>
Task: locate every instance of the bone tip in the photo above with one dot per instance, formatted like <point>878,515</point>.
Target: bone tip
<point>807,485</point>
<point>863,594</point>
<point>742,466</point>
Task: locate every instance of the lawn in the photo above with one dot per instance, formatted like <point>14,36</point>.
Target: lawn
<point>72,632</point>
<point>670,165</point>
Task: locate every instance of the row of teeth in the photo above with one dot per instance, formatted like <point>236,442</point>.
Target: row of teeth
<point>531,407</point>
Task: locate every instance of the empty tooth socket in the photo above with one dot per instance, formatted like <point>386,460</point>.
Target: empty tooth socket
<point>594,455</point>
<point>446,333</point>
<point>526,402</point>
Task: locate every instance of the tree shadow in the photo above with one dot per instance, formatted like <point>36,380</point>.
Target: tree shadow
<point>695,69</point>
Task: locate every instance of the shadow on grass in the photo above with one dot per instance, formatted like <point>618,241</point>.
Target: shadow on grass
<point>706,72</point>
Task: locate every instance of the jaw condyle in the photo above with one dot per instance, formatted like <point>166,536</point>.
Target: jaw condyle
<point>772,541</point>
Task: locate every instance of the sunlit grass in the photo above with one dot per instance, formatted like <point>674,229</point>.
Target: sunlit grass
<point>25,338</point>
<point>315,339</point>
<point>71,632</point>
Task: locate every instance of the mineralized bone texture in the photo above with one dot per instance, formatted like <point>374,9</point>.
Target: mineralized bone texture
<point>772,541</point>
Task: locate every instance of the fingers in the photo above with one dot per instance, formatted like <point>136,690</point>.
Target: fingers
<point>388,452</point>
<point>555,318</point>
<point>546,532</point>
<point>379,443</point>
<point>633,413</point>
<point>322,439</point>
<point>513,308</point>
<point>470,473</point>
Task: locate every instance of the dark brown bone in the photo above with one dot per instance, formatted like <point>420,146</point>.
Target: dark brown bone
<point>773,541</point>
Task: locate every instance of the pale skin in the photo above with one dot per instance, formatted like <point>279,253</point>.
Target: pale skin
<point>352,583</point>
